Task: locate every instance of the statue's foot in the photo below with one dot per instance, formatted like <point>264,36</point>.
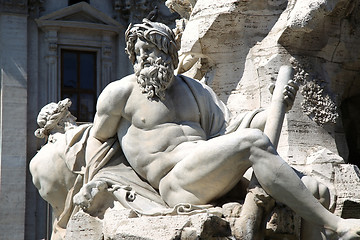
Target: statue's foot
<point>349,229</point>
<point>87,193</point>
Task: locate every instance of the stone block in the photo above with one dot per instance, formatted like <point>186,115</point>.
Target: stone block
<point>347,184</point>
<point>83,226</point>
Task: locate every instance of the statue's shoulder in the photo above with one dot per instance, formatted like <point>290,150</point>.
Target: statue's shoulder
<point>121,84</point>
<point>118,88</point>
<point>116,94</point>
<point>194,84</point>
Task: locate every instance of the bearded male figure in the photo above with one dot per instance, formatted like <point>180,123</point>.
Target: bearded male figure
<point>180,138</point>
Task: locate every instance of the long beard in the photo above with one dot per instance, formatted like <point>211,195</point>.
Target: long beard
<point>154,77</point>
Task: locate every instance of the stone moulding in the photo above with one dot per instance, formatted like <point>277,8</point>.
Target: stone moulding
<point>80,15</point>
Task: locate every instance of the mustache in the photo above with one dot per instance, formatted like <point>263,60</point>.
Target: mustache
<point>153,76</point>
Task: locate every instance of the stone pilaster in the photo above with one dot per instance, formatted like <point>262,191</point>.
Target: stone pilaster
<point>106,59</point>
<point>13,109</point>
<point>52,64</point>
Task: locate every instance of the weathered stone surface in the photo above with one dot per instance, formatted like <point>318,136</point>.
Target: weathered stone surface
<point>245,43</point>
<point>83,226</point>
<point>347,185</point>
<point>120,223</point>
<point>283,223</point>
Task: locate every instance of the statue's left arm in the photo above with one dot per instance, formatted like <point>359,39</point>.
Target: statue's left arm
<point>109,112</point>
<point>289,94</point>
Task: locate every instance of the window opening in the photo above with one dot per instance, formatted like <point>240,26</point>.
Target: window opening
<point>78,82</point>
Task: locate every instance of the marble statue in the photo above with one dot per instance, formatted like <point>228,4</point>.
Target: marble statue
<point>175,138</point>
<point>177,135</point>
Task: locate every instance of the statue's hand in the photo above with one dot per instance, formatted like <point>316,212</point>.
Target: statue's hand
<point>289,93</point>
<point>87,193</point>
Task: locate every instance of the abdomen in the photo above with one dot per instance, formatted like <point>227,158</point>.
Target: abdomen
<point>152,153</point>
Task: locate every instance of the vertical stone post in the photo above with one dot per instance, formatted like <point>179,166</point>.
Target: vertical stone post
<point>52,65</point>
<point>106,61</point>
<point>13,118</point>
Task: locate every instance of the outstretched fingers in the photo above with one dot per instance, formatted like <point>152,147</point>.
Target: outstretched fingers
<point>289,92</point>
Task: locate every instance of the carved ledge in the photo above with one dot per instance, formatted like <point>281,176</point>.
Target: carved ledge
<point>82,16</point>
<point>14,6</point>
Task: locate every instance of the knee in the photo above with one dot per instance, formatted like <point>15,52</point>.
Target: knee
<point>319,190</point>
<point>173,194</point>
<point>256,139</point>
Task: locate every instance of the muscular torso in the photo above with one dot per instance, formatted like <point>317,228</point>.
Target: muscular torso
<point>155,135</point>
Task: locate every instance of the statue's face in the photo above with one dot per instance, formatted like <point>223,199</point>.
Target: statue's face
<point>153,68</point>
<point>145,51</point>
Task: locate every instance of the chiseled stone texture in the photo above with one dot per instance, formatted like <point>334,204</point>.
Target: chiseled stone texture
<point>347,184</point>
<point>119,223</point>
<point>246,42</point>
<point>83,226</point>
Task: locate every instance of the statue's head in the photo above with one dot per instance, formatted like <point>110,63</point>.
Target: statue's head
<point>55,117</point>
<point>155,33</point>
<point>152,49</point>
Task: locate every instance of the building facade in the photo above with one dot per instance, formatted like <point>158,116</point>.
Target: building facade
<point>51,50</point>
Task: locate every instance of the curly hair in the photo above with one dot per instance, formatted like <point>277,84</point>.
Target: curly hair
<point>156,33</point>
<point>50,116</point>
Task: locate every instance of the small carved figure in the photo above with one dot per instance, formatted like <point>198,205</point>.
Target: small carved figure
<point>50,171</point>
<point>177,135</point>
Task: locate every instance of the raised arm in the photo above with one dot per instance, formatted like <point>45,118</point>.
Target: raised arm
<point>109,109</point>
<point>288,94</point>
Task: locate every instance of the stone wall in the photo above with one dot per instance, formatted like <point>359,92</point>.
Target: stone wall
<point>13,123</point>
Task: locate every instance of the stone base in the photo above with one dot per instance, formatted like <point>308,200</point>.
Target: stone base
<point>119,223</point>
<point>222,223</point>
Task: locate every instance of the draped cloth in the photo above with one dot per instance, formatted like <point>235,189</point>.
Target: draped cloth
<point>110,165</point>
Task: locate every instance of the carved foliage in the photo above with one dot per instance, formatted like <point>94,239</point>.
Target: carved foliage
<point>318,103</point>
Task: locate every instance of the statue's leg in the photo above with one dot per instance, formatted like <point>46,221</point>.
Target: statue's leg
<point>282,183</point>
<point>309,231</point>
<point>208,169</point>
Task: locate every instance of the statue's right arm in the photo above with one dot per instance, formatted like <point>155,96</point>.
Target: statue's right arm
<point>109,109</point>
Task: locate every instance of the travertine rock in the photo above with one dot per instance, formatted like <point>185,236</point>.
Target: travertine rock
<point>347,185</point>
<point>244,43</point>
<point>83,226</point>
<point>119,223</point>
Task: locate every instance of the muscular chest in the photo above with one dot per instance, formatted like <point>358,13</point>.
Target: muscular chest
<point>179,106</point>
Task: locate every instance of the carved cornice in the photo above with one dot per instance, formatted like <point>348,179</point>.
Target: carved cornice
<point>69,18</point>
<point>14,6</point>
